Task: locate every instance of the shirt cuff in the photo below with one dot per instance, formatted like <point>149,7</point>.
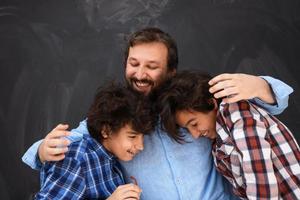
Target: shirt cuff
<point>31,157</point>
<point>281,92</point>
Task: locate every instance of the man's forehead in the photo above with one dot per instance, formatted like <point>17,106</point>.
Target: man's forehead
<point>134,59</point>
<point>155,53</point>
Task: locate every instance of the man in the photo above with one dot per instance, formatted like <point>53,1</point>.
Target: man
<point>164,170</point>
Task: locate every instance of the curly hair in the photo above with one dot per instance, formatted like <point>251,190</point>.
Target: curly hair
<point>187,90</point>
<point>115,106</point>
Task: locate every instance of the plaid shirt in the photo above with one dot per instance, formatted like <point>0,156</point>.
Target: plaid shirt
<point>256,153</point>
<point>87,172</point>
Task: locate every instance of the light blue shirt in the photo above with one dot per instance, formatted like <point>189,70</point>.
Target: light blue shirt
<point>168,170</point>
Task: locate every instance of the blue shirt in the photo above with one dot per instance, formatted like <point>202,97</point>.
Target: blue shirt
<point>168,170</point>
<point>87,172</point>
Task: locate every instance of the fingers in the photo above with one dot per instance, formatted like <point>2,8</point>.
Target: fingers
<point>61,127</point>
<point>55,145</point>
<point>222,85</point>
<point>56,137</point>
<point>131,195</point>
<point>57,142</point>
<point>236,87</point>
<point>227,92</point>
<point>128,191</point>
<point>221,77</point>
<point>134,180</point>
<point>52,151</point>
<point>130,186</point>
<point>232,99</point>
<point>59,131</point>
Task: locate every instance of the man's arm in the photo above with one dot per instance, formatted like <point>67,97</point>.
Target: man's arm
<point>53,147</point>
<point>31,157</point>
<point>62,180</point>
<point>266,92</point>
<point>280,91</point>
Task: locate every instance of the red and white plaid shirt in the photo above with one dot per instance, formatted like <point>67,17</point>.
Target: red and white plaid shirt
<point>256,153</point>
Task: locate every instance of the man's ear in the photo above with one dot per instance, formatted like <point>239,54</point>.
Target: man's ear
<point>173,72</point>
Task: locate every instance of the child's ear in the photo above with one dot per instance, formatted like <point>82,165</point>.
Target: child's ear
<point>216,105</point>
<point>105,132</point>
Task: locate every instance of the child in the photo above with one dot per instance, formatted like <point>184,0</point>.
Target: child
<point>252,149</point>
<point>117,120</point>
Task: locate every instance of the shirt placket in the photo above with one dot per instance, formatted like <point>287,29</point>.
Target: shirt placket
<point>170,156</point>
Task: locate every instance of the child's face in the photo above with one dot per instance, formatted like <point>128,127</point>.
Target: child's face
<point>198,123</point>
<point>124,144</point>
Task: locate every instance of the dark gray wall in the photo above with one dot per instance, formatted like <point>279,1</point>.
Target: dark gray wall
<point>54,54</point>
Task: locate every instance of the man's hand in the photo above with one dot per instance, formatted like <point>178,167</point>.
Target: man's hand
<point>236,87</point>
<point>128,192</point>
<point>54,146</point>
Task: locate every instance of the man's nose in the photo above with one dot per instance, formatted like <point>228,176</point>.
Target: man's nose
<point>140,73</point>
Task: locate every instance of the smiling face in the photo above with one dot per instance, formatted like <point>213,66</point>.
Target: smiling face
<point>124,144</point>
<point>198,123</point>
<point>146,66</point>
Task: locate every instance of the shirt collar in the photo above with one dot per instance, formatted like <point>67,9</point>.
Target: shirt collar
<point>100,149</point>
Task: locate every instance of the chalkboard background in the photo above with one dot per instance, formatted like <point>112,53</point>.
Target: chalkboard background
<point>54,54</point>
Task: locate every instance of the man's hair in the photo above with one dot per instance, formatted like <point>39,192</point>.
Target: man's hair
<point>187,90</point>
<point>114,107</point>
<point>149,35</point>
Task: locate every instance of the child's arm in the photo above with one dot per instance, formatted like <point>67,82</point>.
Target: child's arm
<point>62,180</point>
<point>128,191</point>
<point>249,134</point>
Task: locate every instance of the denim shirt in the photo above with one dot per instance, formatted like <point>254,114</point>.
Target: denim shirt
<point>168,170</point>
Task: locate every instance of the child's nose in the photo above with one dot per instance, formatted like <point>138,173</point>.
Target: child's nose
<point>140,144</point>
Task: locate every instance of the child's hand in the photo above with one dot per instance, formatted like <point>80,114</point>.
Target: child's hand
<point>128,192</point>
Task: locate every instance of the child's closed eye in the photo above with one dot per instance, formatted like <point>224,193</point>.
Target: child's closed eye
<point>193,125</point>
<point>132,136</point>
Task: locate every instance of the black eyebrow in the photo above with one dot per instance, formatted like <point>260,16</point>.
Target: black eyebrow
<point>188,122</point>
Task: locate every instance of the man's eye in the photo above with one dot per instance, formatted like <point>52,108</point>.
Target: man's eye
<point>132,136</point>
<point>134,64</point>
<point>193,125</point>
<point>152,67</point>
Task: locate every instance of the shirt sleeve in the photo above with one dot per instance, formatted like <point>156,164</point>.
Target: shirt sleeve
<point>281,92</point>
<point>62,180</point>
<point>31,157</point>
<point>249,134</point>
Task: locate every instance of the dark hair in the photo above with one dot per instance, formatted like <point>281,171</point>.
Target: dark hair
<point>115,106</point>
<point>187,90</point>
<point>151,34</point>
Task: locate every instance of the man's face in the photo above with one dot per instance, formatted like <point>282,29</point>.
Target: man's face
<point>146,66</point>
